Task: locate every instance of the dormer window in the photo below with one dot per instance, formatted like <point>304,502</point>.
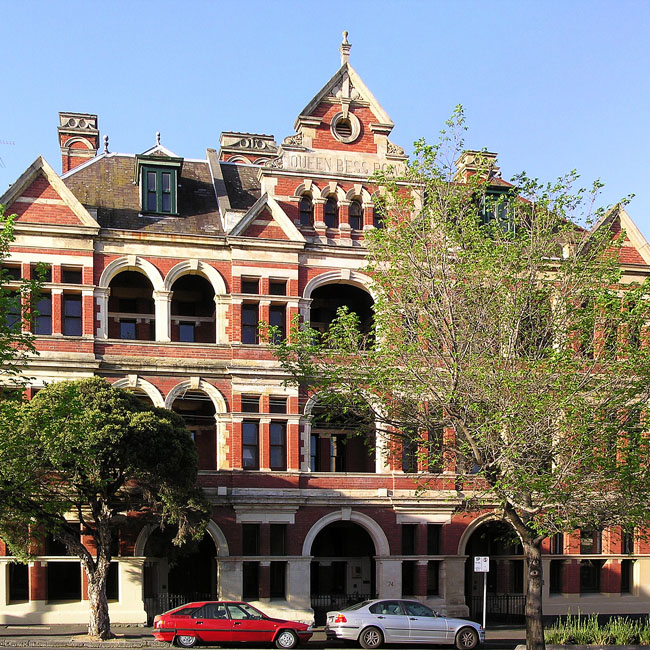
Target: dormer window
<point>158,179</point>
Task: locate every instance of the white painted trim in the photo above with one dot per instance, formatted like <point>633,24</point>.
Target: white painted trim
<point>196,267</point>
<point>132,263</point>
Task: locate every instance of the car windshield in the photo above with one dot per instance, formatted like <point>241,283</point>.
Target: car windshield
<point>351,608</point>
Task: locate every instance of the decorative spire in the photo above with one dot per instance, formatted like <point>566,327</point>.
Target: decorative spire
<point>157,138</point>
<point>345,49</point>
<point>106,144</point>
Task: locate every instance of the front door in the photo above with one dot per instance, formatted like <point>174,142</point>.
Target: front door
<point>424,625</point>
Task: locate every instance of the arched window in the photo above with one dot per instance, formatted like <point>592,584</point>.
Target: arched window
<point>355,215</point>
<point>306,208</point>
<point>331,212</point>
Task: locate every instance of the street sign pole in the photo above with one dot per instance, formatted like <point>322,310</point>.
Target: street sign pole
<point>482,565</point>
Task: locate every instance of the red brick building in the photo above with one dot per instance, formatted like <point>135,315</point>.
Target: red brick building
<point>161,267</point>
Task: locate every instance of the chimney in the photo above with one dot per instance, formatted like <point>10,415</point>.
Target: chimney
<point>78,139</point>
<point>473,162</point>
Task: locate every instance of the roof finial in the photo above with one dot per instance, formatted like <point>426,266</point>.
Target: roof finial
<point>106,144</point>
<point>345,49</point>
<point>157,138</point>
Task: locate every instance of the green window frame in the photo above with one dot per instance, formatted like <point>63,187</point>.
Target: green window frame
<point>159,190</point>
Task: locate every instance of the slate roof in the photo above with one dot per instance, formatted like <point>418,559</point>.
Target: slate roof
<point>241,184</point>
<point>107,186</point>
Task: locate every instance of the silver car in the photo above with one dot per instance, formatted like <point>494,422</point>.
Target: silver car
<point>374,622</point>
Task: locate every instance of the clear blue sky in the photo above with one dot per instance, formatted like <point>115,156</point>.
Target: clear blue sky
<point>550,86</point>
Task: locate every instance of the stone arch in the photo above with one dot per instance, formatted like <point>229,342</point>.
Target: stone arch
<point>307,187</point>
<point>345,276</point>
<point>376,532</point>
<point>133,381</point>
<point>472,527</point>
<point>239,160</point>
<point>212,529</point>
<point>132,263</point>
<point>79,139</point>
<point>196,266</point>
<point>196,383</point>
<point>331,189</point>
<point>359,192</point>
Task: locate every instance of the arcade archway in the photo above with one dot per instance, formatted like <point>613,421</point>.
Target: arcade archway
<point>505,580</point>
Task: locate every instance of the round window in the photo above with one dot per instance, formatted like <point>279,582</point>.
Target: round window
<point>345,128</point>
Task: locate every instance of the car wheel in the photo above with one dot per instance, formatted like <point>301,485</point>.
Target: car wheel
<point>186,640</point>
<point>467,639</point>
<point>286,639</point>
<point>371,638</point>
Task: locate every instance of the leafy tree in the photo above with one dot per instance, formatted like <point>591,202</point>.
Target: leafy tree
<point>86,450</point>
<point>502,319</point>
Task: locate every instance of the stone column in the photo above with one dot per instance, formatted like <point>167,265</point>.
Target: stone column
<point>163,302</point>
<point>222,303</point>
<point>389,578</point>
<point>299,583</point>
<point>101,300</point>
<point>4,583</point>
<point>452,583</point>
<point>130,579</point>
<point>229,578</point>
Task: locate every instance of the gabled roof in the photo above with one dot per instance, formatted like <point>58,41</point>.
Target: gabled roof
<point>636,240</point>
<point>267,204</point>
<point>346,82</point>
<point>41,167</point>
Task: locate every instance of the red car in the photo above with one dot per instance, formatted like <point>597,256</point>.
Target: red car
<point>227,622</point>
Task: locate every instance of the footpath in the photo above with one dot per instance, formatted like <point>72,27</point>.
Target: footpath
<point>75,636</point>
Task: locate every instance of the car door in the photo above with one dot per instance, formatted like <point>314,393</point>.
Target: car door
<point>390,617</point>
<point>249,624</point>
<point>424,625</point>
<point>214,624</point>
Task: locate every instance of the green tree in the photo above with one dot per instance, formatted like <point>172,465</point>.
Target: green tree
<point>86,451</point>
<point>502,317</point>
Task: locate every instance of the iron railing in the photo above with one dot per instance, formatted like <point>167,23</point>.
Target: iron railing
<point>500,607</point>
<point>159,603</point>
<point>323,603</point>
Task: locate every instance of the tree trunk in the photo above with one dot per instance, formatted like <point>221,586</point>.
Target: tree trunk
<point>534,625</point>
<point>99,625</point>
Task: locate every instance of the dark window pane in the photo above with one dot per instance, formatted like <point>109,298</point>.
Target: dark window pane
<point>151,181</point>
<point>250,403</point>
<point>277,318</point>
<point>556,576</point>
<point>278,437</point>
<point>72,315</point>
<point>278,404</point>
<point>186,332</point>
<point>127,329</point>
<point>278,287</point>
<point>13,316</point>
<point>408,578</point>
<point>306,209</point>
<point>42,272</point>
<point>251,539</point>
<point>249,431</point>
<point>166,182</point>
<point>433,539</point>
<point>278,579</point>
<point>151,201</point>
<point>18,582</point>
<point>71,276</point>
<point>408,539</point>
<point>63,581</point>
<point>166,203</point>
<point>249,316</point>
<point>251,583</point>
<point>278,533</point>
<point>250,285</point>
<point>331,213</point>
<point>43,320</point>
<point>433,578</point>
<point>12,272</point>
<point>355,215</point>
<point>250,445</point>
<point>112,582</point>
